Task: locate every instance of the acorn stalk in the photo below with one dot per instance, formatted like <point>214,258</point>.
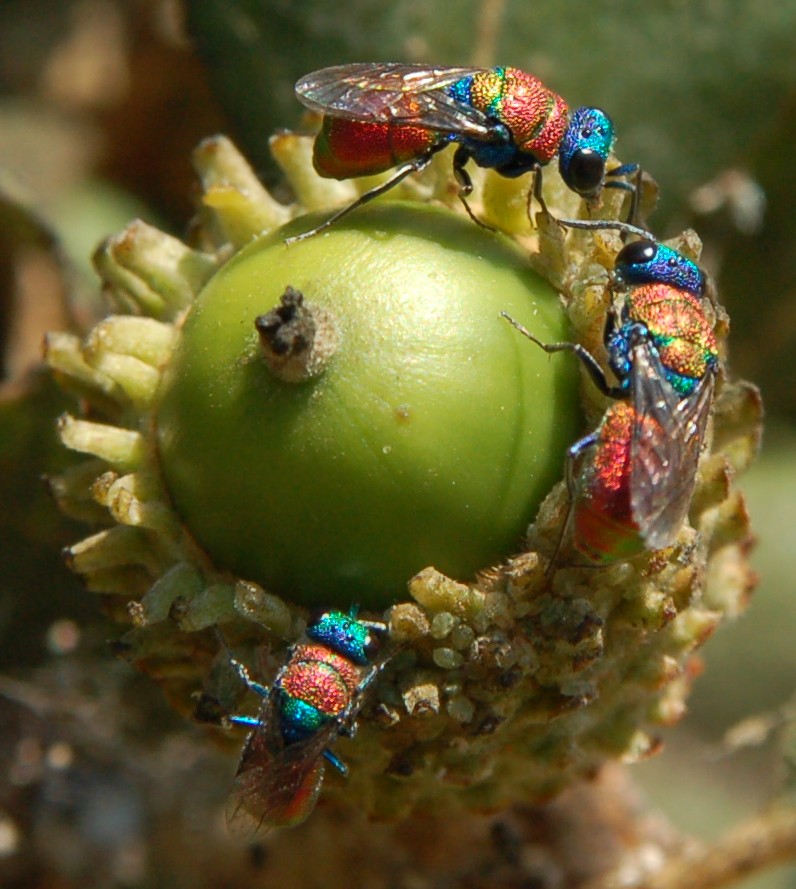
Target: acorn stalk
<point>298,340</point>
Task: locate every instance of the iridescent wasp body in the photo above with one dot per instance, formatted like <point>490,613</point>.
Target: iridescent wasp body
<point>648,262</point>
<point>645,260</point>
<point>630,481</point>
<point>377,117</point>
<point>314,698</point>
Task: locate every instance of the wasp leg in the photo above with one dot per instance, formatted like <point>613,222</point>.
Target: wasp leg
<point>414,166</point>
<point>335,760</point>
<point>347,718</point>
<point>465,183</point>
<point>634,187</point>
<point>552,565</point>
<point>370,677</point>
<point>252,684</point>
<point>535,193</point>
<point>259,689</point>
<point>249,721</point>
<point>243,671</point>
<point>573,454</point>
<point>588,360</point>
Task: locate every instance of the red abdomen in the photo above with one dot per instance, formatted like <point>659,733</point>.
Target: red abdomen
<point>345,149</point>
<point>319,676</point>
<point>604,526</point>
<point>602,537</point>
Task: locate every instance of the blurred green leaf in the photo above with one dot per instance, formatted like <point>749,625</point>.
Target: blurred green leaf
<point>754,658</point>
<point>35,587</point>
<point>691,85</point>
<point>758,274</point>
<point>255,50</point>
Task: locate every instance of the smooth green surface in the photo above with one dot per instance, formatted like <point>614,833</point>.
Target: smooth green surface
<point>430,439</point>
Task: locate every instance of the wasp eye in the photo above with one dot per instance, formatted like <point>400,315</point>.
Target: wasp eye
<point>637,252</point>
<point>586,171</point>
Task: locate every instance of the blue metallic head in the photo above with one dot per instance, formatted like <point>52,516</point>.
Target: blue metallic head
<point>647,262</point>
<point>346,635</point>
<point>588,141</point>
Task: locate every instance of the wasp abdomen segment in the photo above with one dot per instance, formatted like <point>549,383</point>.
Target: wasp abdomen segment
<point>316,686</point>
<point>676,326</point>
<point>345,149</point>
<point>604,528</point>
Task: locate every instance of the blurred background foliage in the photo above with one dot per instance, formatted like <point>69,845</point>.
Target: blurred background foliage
<point>101,102</point>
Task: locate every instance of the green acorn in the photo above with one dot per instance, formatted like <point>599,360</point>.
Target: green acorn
<point>349,420</point>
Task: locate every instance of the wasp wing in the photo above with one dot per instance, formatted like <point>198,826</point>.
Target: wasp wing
<point>668,432</point>
<point>276,784</point>
<point>395,93</point>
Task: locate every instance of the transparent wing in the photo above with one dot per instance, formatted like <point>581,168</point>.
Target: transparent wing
<point>394,93</point>
<point>276,785</point>
<point>668,432</point>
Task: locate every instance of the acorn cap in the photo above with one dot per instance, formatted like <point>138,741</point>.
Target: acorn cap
<point>509,686</point>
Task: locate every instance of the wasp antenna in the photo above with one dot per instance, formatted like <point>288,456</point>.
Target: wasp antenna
<point>607,224</point>
<point>377,625</point>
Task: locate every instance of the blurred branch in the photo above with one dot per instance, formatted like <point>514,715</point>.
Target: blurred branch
<point>490,20</point>
<point>761,842</point>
